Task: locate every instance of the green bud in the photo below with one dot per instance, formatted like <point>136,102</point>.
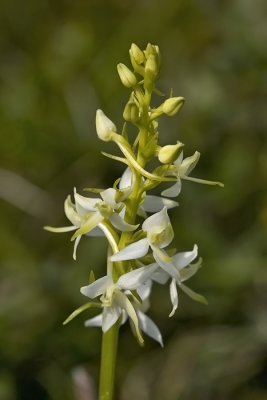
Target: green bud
<point>127,77</point>
<point>131,112</point>
<point>137,54</point>
<point>172,105</point>
<point>104,126</point>
<point>151,71</point>
<point>168,154</point>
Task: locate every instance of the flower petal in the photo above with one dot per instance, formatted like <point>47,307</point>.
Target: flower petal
<point>95,321</point>
<point>85,204</point>
<point>96,288</point>
<point>174,190</point>
<point>181,260</point>
<point>149,327</point>
<point>93,219</point>
<point>156,203</point>
<point>173,296</point>
<point>125,304</point>
<point>168,267</point>
<point>132,280</point>
<point>135,250</point>
<point>160,219</point>
<point>108,197</point>
<point>110,317</point>
<point>119,223</point>
<point>188,272</point>
<point>188,164</point>
<point>126,179</point>
<point>71,213</point>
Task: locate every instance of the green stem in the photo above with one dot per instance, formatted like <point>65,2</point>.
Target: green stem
<point>108,362</point>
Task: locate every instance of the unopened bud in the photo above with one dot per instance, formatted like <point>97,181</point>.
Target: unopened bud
<point>104,126</point>
<point>168,154</point>
<point>131,112</point>
<point>151,71</point>
<point>137,54</point>
<point>127,77</point>
<point>172,105</point>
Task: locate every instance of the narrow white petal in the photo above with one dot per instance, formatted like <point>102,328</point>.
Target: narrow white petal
<point>173,296</point>
<point>96,288</point>
<point>178,161</point>
<point>126,179</point>
<point>181,260</point>
<point>95,321</point>
<point>132,280</point>
<point>156,203</point>
<point>77,241</point>
<point>174,190</point>
<point>133,251</point>
<point>110,317</point>
<point>149,327</point>
<point>119,223</point>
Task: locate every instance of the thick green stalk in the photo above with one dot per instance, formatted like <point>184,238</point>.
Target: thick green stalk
<point>108,362</point>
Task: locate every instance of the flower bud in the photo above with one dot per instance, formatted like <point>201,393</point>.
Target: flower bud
<point>131,112</point>
<point>137,54</point>
<point>104,126</point>
<point>168,154</point>
<point>127,77</point>
<point>151,71</point>
<point>172,105</point>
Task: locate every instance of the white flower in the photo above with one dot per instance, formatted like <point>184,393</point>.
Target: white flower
<point>179,270</point>
<point>182,168</point>
<point>159,234</point>
<point>116,303</point>
<point>87,215</point>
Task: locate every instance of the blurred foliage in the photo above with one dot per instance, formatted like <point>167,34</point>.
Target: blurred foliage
<point>58,64</point>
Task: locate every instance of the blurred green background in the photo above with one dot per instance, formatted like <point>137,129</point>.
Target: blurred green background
<point>58,65</point>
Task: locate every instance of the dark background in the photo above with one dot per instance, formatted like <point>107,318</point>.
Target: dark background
<point>58,65</point>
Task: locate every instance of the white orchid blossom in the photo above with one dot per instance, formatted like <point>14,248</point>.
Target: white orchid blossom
<point>116,303</point>
<point>179,270</point>
<point>182,168</point>
<point>159,234</point>
<point>88,214</point>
